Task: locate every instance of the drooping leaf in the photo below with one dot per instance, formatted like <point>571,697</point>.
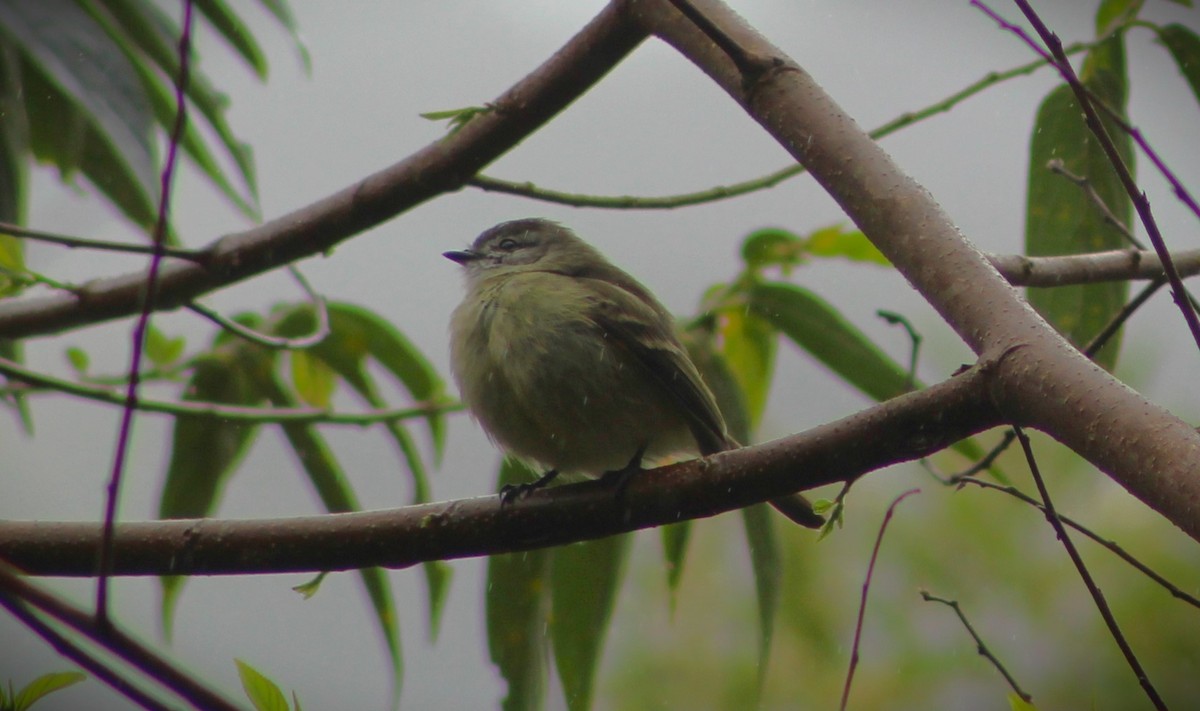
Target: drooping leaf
<point>585,580</point>
<point>162,350</point>
<point>313,379</point>
<point>766,560</point>
<point>262,692</point>
<point>205,451</point>
<point>518,609</point>
<point>1184,46</point>
<point>337,495</point>
<point>1060,217</point>
<point>43,686</point>
<point>746,343</point>
<point>675,539</point>
<point>235,32</point>
<point>814,325</point>
<point>355,336</point>
<point>69,51</point>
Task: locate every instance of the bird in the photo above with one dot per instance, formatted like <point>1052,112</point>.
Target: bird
<point>569,363</point>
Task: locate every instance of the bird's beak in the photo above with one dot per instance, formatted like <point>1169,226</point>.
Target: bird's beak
<point>462,256</point>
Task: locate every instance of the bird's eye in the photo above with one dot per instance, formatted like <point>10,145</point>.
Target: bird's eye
<point>507,244</point>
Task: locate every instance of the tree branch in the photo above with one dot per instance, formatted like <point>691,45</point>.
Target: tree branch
<point>438,168</point>
<point>1044,383</point>
<point>902,429</point>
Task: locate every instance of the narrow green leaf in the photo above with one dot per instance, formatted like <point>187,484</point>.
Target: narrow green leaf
<point>309,589</point>
<point>44,685</point>
<point>282,13</point>
<point>747,347</point>
<point>261,691</point>
<point>675,538</point>
<point>767,562</point>
<point>1060,218</point>
<point>235,32</point>
<point>1016,703</point>
<point>1184,46</point>
<point>144,33</point>
<point>205,451</point>
<point>518,608</point>
<point>337,495</point>
<point>14,144</point>
<point>814,325</point>
<point>15,352</point>
<point>74,54</point>
<point>585,580</point>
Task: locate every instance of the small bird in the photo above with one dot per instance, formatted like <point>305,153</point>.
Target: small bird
<point>567,361</point>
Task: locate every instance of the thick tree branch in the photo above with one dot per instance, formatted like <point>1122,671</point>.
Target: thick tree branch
<point>902,429</point>
<point>441,167</point>
<point>1044,383</point>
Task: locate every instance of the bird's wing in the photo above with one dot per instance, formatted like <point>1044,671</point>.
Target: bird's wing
<point>647,332</point>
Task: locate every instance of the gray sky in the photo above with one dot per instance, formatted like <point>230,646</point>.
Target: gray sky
<point>654,126</point>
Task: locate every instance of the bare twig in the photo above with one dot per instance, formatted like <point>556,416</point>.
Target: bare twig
<point>107,635</point>
<point>980,645</point>
<point>249,334</point>
<point>1112,546</point>
<point>142,327</point>
<point>1087,104</point>
<point>1097,596</point>
<point>260,415</point>
<point>83,243</point>
<point>866,586</point>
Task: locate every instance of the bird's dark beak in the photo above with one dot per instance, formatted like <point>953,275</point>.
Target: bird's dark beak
<point>462,256</point>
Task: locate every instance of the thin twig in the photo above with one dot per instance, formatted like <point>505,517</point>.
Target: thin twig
<point>1112,546</point>
<point>192,255</point>
<point>866,586</point>
<point>722,192</point>
<point>259,415</point>
<point>1084,183</point>
<point>914,340</point>
<point>1086,103</point>
<point>69,649</point>
<point>142,326</point>
<point>980,645</point>
<point>319,333</point>
<point>181,682</point>
<point>1097,596</point>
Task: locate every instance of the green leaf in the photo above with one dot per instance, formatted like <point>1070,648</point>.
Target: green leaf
<point>14,145</point>
<point>205,451</point>
<point>518,608</point>
<point>144,33</point>
<point>1184,46</point>
<point>814,325</point>
<point>585,580</point>
<point>70,51</point>
<point>261,691</point>
<point>837,241</point>
<point>354,335</point>
<point>313,379</point>
<point>44,685</point>
<point>771,246</point>
<point>309,589</point>
<point>747,345</point>
<point>235,32</point>
<point>161,350</point>
<point>79,360</point>
<point>337,495</point>
<point>457,118</point>
<point>675,538</point>
<point>1016,703</point>
<point>1060,217</point>
<point>15,352</point>
<point>767,562</point>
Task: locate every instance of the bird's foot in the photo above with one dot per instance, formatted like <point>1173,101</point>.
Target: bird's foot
<point>511,492</point>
